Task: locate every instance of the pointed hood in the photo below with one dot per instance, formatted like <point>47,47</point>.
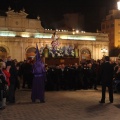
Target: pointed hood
<point>37,54</point>
<point>38,67</point>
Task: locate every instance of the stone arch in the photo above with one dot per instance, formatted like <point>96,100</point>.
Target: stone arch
<point>85,54</point>
<point>30,52</point>
<point>4,51</point>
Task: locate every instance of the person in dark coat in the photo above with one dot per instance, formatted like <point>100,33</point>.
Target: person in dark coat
<point>76,76</point>
<point>62,77</point>
<point>38,86</point>
<point>85,78</point>
<point>106,74</point>
<point>90,76</point>
<point>13,82</point>
<point>27,74</point>
<point>3,84</point>
<point>116,81</point>
<point>67,77</point>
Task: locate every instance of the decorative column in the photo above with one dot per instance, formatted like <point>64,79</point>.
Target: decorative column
<point>76,52</point>
<point>46,52</point>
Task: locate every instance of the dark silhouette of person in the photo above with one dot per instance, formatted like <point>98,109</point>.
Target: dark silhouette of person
<point>13,82</point>
<point>106,74</point>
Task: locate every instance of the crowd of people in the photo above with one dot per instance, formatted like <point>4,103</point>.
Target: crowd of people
<point>8,81</point>
<point>86,75</point>
<point>72,77</point>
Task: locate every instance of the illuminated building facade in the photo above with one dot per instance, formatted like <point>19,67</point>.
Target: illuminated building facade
<point>19,35</point>
<point>111,25</point>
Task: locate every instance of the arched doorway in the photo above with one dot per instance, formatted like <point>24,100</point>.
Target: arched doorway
<point>85,54</point>
<point>3,52</point>
<point>30,53</point>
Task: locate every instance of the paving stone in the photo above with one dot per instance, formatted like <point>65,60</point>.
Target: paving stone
<point>63,105</point>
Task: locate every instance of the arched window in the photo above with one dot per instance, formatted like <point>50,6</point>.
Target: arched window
<point>3,52</point>
<point>85,51</point>
<point>85,54</point>
<point>30,52</point>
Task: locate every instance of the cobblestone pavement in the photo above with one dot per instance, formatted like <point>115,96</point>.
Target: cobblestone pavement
<point>63,105</point>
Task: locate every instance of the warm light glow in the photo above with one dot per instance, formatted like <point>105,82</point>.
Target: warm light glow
<point>25,35</point>
<point>73,33</point>
<point>77,31</point>
<point>6,33</point>
<point>72,36</point>
<point>82,31</point>
<point>43,35</point>
<point>77,37</point>
<point>118,5</point>
<point>104,50</point>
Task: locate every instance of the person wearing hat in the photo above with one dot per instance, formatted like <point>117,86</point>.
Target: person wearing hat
<point>106,74</point>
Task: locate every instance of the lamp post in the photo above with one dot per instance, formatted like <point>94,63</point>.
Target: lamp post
<point>104,51</point>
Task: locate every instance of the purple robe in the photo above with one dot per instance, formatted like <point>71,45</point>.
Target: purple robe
<point>38,86</point>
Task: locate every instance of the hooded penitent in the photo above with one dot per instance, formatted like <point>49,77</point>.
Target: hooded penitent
<point>39,68</point>
<point>39,78</point>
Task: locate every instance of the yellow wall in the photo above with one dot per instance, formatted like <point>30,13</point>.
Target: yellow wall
<point>117,33</point>
<point>109,26</point>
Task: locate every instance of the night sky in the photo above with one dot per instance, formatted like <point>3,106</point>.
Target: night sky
<point>52,10</point>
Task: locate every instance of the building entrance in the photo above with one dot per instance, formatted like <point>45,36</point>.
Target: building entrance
<point>85,54</point>
<point>30,54</point>
<point>3,52</point>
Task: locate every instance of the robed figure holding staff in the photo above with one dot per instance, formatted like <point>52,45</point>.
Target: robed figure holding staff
<point>55,42</point>
<point>38,88</point>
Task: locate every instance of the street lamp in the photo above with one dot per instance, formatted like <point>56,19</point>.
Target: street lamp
<point>104,50</point>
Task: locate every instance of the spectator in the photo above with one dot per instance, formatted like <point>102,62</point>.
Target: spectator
<point>107,79</point>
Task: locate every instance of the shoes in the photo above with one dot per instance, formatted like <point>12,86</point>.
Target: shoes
<point>101,101</point>
<point>111,101</point>
<point>2,108</point>
<point>95,89</point>
<point>42,101</point>
<point>104,102</point>
<point>115,91</point>
<point>33,101</point>
<point>11,103</point>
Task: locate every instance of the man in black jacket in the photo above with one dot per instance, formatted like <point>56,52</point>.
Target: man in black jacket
<point>106,74</point>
